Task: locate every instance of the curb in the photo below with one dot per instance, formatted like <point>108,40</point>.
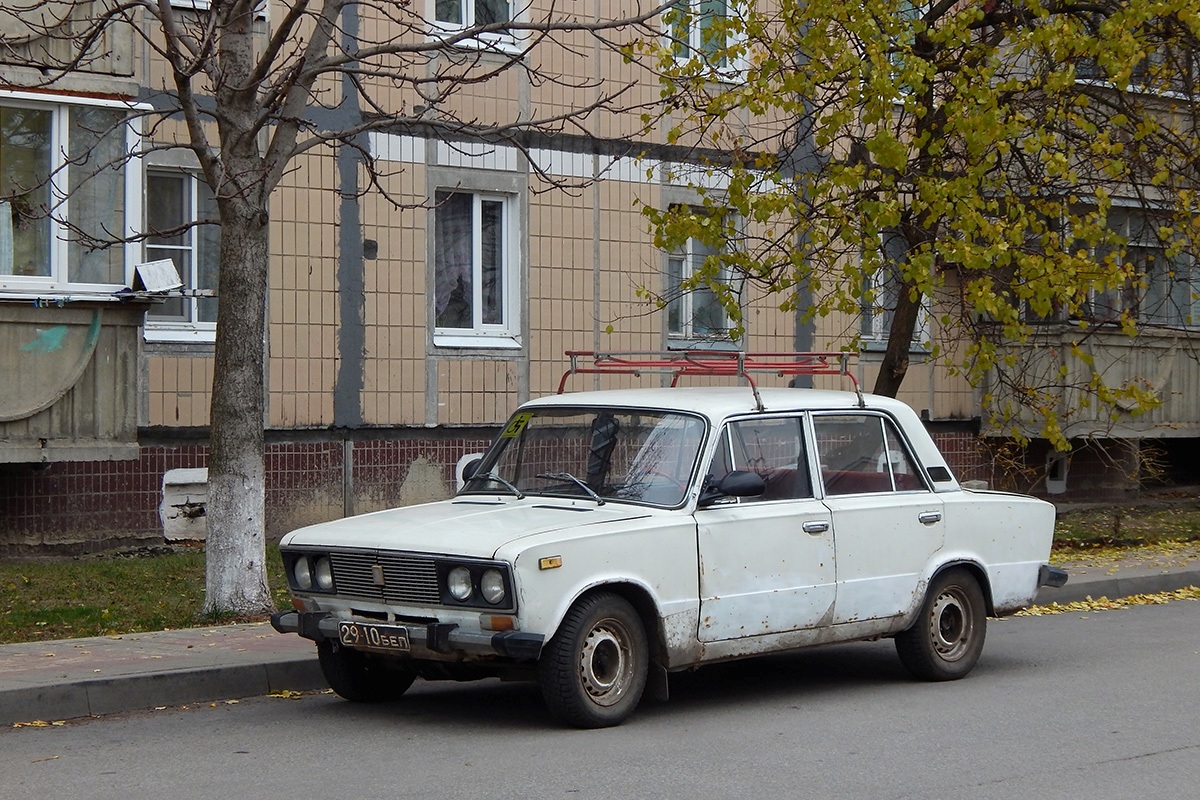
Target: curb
<point>91,698</point>
<point>1116,586</point>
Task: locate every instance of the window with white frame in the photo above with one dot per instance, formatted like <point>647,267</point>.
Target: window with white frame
<point>177,205</point>
<point>697,29</point>
<point>910,12</point>
<point>474,271</point>
<point>452,16</point>
<point>261,7</point>
<point>695,313</point>
<point>1163,289</point>
<point>879,308</point>
<point>67,195</point>
<point>1167,63</point>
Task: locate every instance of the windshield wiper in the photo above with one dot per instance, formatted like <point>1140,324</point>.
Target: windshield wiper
<point>566,476</point>
<point>491,476</point>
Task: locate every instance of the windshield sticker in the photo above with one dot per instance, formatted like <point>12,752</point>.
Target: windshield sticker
<point>517,425</point>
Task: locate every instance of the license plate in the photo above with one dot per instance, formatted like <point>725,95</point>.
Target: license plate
<point>366,636</point>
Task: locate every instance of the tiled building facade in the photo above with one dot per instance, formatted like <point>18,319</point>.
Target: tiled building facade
<point>381,371</point>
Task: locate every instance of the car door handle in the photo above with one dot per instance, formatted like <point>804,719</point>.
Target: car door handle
<point>929,517</point>
<point>820,526</point>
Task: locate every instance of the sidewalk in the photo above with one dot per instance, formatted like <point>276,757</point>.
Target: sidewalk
<point>105,674</point>
<point>80,677</point>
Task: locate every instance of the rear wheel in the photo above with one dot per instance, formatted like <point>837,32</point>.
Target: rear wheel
<point>945,642</point>
<point>360,677</point>
<point>593,671</point>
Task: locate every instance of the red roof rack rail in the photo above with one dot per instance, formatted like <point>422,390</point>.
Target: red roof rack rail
<point>712,363</point>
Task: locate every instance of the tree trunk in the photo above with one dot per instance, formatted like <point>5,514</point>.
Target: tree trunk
<point>900,339</point>
<point>236,545</point>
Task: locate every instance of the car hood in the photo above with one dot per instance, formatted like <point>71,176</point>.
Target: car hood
<point>468,526</point>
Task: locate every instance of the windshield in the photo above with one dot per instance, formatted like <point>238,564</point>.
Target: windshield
<point>599,453</point>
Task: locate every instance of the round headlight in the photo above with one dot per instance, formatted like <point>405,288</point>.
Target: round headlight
<point>324,574</point>
<point>491,586</point>
<point>302,572</point>
<point>459,584</point>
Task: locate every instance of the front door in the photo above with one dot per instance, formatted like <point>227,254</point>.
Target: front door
<point>766,563</point>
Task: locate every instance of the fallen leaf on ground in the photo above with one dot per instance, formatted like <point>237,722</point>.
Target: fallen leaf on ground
<point>1104,604</point>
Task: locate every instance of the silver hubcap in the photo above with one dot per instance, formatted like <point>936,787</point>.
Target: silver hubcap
<point>951,625</point>
<point>605,662</point>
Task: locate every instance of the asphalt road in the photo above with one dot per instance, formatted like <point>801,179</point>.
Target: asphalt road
<point>1084,705</point>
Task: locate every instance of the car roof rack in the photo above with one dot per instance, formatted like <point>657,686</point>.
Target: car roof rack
<point>710,363</point>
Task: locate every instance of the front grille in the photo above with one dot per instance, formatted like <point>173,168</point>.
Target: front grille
<point>407,579</point>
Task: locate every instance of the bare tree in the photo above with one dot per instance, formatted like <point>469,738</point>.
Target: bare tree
<point>246,87</point>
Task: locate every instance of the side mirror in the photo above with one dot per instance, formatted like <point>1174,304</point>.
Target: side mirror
<point>742,483</point>
<point>739,483</point>
<point>466,468</point>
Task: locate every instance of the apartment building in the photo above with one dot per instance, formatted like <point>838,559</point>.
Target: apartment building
<point>422,283</point>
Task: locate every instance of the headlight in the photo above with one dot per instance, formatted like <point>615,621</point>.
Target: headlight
<point>459,584</point>
<point>491,586</point>
<point>476,584</point>
<point>324,574</point>
<point>302,572</point>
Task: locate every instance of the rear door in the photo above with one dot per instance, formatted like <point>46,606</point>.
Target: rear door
<point>886,521</point>
<point>766,563</point>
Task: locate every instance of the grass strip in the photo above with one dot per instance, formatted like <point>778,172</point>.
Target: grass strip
<point>111,594</point>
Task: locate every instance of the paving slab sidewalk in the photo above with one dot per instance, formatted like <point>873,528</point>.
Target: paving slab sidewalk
<point>69,678</point>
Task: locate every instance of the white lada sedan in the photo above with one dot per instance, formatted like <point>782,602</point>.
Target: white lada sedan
<point>610,538</point>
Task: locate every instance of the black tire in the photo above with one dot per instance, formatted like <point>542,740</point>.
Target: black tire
<point>593,671</point>
<point>361,678</point>
<point>945,641</point>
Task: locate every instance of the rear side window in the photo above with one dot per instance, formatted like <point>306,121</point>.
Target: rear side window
<point>863,454</point>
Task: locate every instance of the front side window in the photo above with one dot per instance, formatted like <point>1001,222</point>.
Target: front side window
<point>594,453</point>
<point>64,195</point>
<point>472,264</point>
<point>771,447</point>
<point>693,313</point>
<point>176,204</point>
<point>863,454</point>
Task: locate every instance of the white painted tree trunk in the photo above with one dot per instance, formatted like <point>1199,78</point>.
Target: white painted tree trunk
<point>236,544</point>
<point>236,579</point>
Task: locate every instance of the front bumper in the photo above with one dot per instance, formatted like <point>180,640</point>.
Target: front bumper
<point>1051,576</point>
<point>437,640</point>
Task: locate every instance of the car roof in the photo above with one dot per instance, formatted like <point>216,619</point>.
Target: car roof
<point>720,402</point>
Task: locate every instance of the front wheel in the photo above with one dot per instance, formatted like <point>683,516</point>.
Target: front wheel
<point>362,678</point>
<point>947,638</point>
<point>593,671</point>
